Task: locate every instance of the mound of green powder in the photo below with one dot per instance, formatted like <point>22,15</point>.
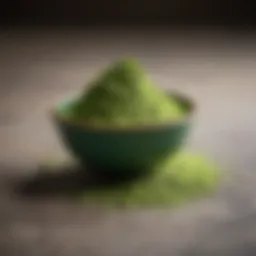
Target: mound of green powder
<point>175,181</point>
<point>124,95</point>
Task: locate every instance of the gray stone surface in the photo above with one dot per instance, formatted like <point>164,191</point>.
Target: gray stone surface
<point>218,69</point>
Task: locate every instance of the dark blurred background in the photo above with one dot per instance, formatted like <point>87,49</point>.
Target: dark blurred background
<point>128,12</point>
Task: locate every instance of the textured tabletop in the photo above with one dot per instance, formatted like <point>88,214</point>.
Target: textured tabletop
<point>217,69</point>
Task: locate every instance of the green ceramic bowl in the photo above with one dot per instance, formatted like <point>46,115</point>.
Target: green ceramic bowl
<point>122,151</point>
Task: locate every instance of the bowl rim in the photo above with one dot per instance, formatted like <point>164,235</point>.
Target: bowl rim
<point>54,113</point>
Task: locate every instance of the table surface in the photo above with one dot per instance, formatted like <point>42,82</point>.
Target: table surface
<point>216,68</point>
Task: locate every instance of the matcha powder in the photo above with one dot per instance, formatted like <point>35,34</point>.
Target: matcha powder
<point>124,95</point>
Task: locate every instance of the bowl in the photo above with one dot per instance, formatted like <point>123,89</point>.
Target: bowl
<point>122,151</point>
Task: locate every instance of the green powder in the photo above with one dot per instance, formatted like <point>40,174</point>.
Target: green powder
<point>175,181</point>
<point>124,95</point>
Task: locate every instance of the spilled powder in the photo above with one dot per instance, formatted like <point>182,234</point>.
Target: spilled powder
<point>175,181</point>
